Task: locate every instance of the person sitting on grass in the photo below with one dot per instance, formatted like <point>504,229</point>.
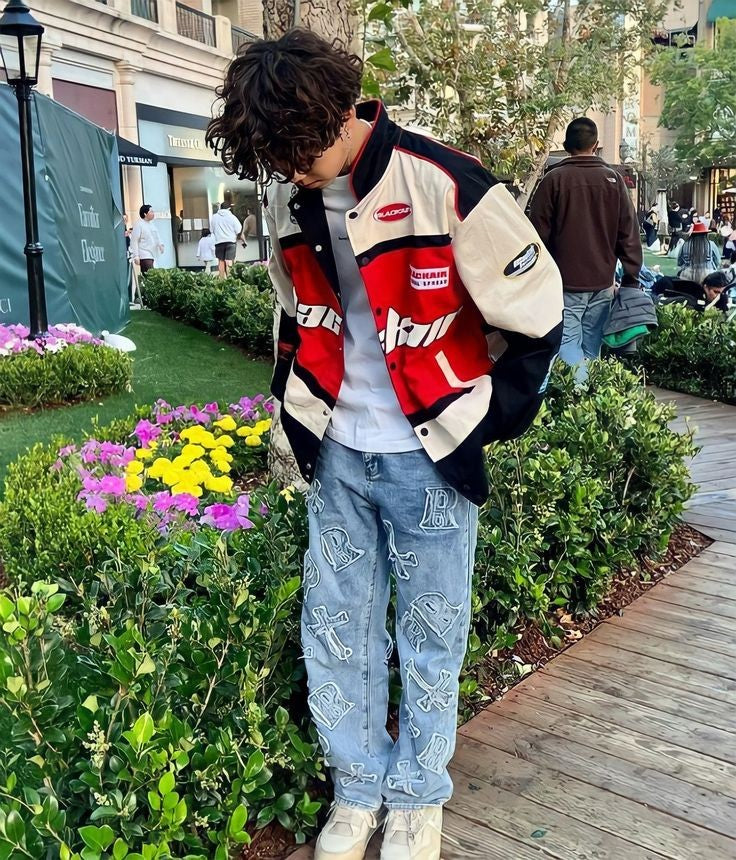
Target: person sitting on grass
<point>699,256</point>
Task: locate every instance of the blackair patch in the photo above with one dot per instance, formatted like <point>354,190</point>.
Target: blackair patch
<point>525,261</point>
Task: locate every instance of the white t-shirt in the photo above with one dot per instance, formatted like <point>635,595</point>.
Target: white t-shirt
<point>225,226</point>
<point>206,249</point>
<point>367,416</point>
<point>144,241</point>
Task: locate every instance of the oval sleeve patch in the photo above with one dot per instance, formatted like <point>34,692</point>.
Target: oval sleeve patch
<point>525,261</point>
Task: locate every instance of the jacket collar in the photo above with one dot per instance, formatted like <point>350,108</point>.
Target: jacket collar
<point>372,160</point>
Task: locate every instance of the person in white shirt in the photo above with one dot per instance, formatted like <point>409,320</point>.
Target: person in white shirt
<point>145,243</point>
<point>206,250</point>
<point>226,229</point>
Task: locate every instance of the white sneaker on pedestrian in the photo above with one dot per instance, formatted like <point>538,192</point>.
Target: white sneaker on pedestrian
<point>413,834</point>
<point>347,833</point>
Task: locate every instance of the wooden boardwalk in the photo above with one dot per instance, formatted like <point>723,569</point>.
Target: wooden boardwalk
<point>624,747</point>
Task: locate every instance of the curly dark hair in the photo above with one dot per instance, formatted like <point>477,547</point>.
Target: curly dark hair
<point>283,102</point>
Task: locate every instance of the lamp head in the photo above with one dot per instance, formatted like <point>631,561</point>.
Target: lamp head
<point>20,43</point>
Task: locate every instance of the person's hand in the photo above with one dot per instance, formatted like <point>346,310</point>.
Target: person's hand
<point>137,261</point>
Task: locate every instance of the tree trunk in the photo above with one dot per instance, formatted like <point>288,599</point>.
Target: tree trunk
<point>331,19</point>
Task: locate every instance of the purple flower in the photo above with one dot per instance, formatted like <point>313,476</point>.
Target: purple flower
<point>164,418</point>
<point>113,485</point>
<point>259,398</point>
<point>109,450</point>
<point>89,451</point>
<point>268,407</point>
<point>162,502</point>
<point>186,503</point>
<point>146,432</point>
<point>212,408</point>
<point>90,484</point>
<point>96,502</point>
<point>58,465</point>
<point>227,518</point>
<point>67,450</point>
<point>139,501</point>
<point>264,510</point>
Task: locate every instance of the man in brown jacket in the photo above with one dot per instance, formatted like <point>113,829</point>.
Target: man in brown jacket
<point>583,213</point>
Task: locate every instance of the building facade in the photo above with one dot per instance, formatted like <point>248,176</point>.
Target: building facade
<point>148,71</point>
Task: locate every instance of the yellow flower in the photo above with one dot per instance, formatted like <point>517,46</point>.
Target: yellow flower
<point>200,470</point>
<point>144,453</point>
<point>227,423</point>
<point>207,439</point>
<point>172,476</point>
<point>288,493</point>
<point>253,441</point>
<point>221,454</point>
<point>133,483</point>
<point>153,445</point>
<point>225,441</point>
<point>223,484</point>
<point>181,462</point>
<point>222,465</point>
<point>159,467</point>
<point>192,452</point>
<point>189,432</point>
<point>263,426</point>
<point>135,467</point>
<point>187,486</point>
<point>245,431</point>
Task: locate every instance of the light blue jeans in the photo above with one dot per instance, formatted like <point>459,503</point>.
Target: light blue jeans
<point>374,518</point>
<point>584,319</point>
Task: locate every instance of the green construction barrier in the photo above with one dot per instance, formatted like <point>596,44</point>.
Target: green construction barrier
<point>80,219</point>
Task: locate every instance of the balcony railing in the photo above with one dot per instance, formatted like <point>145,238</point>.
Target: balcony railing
<point>147,9</point>
<point>193,24</point>
<point>241,37</point>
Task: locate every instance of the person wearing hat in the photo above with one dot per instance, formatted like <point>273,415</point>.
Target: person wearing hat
<point>699,256</point>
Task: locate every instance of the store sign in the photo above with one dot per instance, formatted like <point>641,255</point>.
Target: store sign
<point>176,141</point>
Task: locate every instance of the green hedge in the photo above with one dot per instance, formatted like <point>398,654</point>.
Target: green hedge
<point>77,372</point>
<point>155,685</point>
<point>691,352</point>
<point>239,309</point>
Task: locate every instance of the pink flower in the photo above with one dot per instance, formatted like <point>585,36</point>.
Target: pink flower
<point>96,502</point>
<point>109,450</point>
<point>90,484</point>
<point>146,432</point>
<point>67,450</point>
<point>268,407</point>
<point>164,418</point>
<point>186,503</point>
<point>212,408</point>
<point>226,517</point>
<point>139,501</point>
<point>113,485</point>
<point>162,502</point>
<point>58,465</point>
<point>264,510</point>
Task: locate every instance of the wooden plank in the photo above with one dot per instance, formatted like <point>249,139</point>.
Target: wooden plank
<point>721,521</point>
<point>605,708</point>
<point>477,842</point>
<point>667,629</point>
<point>683,579</point>
<point>635,781</point>
<point>536,825</point>
<point>710,531</point>
<point>682,597</point>
<point>680,617</point>
<point>642,691</point>
<point>586,802</point>
<point>642,666</point>
<point>723,548</point>
<point>716,665</point>
<point>717,559</point>
<point>635,748</point>
<point>704,569</point>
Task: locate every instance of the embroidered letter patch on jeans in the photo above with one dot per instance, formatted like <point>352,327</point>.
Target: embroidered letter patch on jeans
<point>374,519</point>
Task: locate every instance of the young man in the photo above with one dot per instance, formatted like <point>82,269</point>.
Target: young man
<point>226,229</point>
<point>585,217</point>
<point>145,244</point>
<point>420,315</point>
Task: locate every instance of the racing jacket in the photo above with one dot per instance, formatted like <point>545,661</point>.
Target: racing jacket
<point>467,301</point>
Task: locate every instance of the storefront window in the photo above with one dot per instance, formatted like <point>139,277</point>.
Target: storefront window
<point>723,191</point>
<point>197,193</point>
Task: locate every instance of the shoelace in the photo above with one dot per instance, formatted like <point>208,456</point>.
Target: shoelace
<point>346,815</point>
<point>411,818</point>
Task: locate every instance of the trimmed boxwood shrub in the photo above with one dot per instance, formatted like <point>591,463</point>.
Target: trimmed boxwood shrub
<point>691,352</point>
<point>154,683</point>
<point>77,372</point>
<point>239,308</point>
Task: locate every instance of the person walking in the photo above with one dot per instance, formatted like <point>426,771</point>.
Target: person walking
<point>226,229</point>
<point>419,317</point>
<point>585,217</point>
<point>699,255</point>
<point>145,243</point>
<point>206,250</point>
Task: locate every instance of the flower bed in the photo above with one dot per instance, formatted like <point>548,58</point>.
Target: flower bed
<point>239,308</point>
<point>691,352</point>
<point>150,655</point>
<point>68,365</point>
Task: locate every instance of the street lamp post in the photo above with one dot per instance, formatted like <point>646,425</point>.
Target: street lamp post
<point>21,63</point>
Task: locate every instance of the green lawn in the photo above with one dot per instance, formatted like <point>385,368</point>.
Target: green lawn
<point>172,361</point>
<point>667,265</point>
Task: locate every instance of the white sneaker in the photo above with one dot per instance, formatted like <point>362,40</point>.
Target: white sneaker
<point>347,833</point>
<point>413,834</point>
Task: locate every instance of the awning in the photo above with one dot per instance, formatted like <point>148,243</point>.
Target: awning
<point>721,9</point>
<point>135,156</point>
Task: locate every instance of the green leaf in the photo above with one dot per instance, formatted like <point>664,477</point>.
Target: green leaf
<point>286,801</point>
<point>167,783</point>
<point>154,801</point>
<point>15,829</point>
<point>237,820</point>
<point>90,703</point>
<point>143,729</point>
<point>10,784</point>
<point>14,683</point>
<point>381,12</point>
<point>119,849</point>
<point>255,764</point>
<point>146,666</point>
<point>7,607</point>
<point>55,602</point>
<point>382,60</point>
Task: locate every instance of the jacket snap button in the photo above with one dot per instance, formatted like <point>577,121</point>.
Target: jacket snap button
<point>353,215</point>
<point>364,261</point>
<point>379,311</point>
<point>318,248</point>
<point>424,431</point>
<point>393,365</point>
<point>296,206</point>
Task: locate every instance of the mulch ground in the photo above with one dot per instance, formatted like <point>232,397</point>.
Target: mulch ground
<point>532,651</point>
